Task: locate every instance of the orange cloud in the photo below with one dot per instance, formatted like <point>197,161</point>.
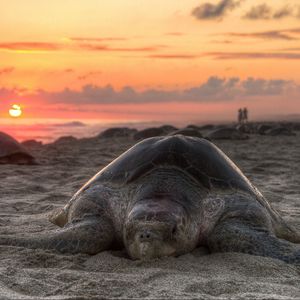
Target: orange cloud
<point>93,47</point>
<point>288,34</point>
<point>92,39</point>
<point>5,71</point>
<point>29,46</point>
<point>253,55</point>
<point>173,56</point>
<point>175,33</point>
<point>88,75</point>
<point>41,46</point>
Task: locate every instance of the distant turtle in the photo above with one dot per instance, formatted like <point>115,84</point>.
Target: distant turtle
<point>167,128</point>
<point>296,126</point>
<point>244,128</point>
<point>207,127</point>
<point>164,197</point>
<point>32,144</point>
<point>262,128</point>
<point>280,130</point>
<point>188,132</point>
<point>12,152</point>
<point>191,126</point>
<point>149,132</point>
<point>226,133</point>
<point>117,132</point>
<point>65,140</point>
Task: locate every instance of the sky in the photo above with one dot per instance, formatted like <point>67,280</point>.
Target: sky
<point>124,60</point>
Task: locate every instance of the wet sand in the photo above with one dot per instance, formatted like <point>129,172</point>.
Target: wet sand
<point>28,193</point>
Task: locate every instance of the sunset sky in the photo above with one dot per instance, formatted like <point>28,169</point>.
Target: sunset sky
<point>156,60</point>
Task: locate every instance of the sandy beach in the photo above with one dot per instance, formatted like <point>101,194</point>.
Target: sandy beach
<point>29,193</point>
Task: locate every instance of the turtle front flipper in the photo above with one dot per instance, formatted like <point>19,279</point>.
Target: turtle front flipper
<point>237,235</point>
<point>90,235</point>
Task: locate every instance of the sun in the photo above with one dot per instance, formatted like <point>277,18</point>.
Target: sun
<point>15,111</point>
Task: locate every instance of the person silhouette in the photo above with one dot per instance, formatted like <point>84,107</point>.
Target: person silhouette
<point>245,115</point>
<point>240,116</point>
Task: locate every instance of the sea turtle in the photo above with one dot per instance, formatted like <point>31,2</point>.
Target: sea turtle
<point>245,128</point>
<point>32,144</point>
<point>226,133</point>
<point>149,132</point>
<point>12,152</point>
<point>168,128</point>
<point>188,132</point>
<point>207,127</point>
<point>192,126</point>
<point>262,128</point>
<point>68,139</point>
<point>280,130</point>
<point>117,132</point>
<point>164,197</point>
<point>296,126</point>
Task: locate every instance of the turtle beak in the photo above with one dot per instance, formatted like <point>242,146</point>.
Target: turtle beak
<point>148,244</point>
<point>147,236</point>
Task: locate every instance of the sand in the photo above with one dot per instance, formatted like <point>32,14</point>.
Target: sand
<point>28,193</point>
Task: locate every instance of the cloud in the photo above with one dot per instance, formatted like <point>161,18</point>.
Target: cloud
<point>270,35</point>
<point>29,46</point>
<point>266,12</point>
<point>291,49</point>
<point>78,46</point>
<point>70,124</point>
<point>262,11</point>
<point>284,34</point>
<point>175,33</point>
<point>11,93</point>
<point>69,70</point>
<point>285,54</point>
<point>5,71</point>
<point>173,56</point>
<point>283,12</point>
<point>222,41</point>
<point>88,75</point>
<point>262,87</point>
<point>93,47</point>
<point>208,11</point>
<point>214,89</point>
<point>93,39</point>
<point>294,30</point>
<point>254,55</point>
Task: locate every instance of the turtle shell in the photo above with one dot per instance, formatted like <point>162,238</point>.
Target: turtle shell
<point>197,157</point>
<point>11,151</point>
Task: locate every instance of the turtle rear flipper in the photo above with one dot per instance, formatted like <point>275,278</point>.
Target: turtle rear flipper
<point>58,217</point>
<point>89,236</point>
<point>284,230</point>
<point>236,235</point>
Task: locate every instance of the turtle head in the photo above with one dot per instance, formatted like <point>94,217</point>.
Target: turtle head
<point>158,227</point>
